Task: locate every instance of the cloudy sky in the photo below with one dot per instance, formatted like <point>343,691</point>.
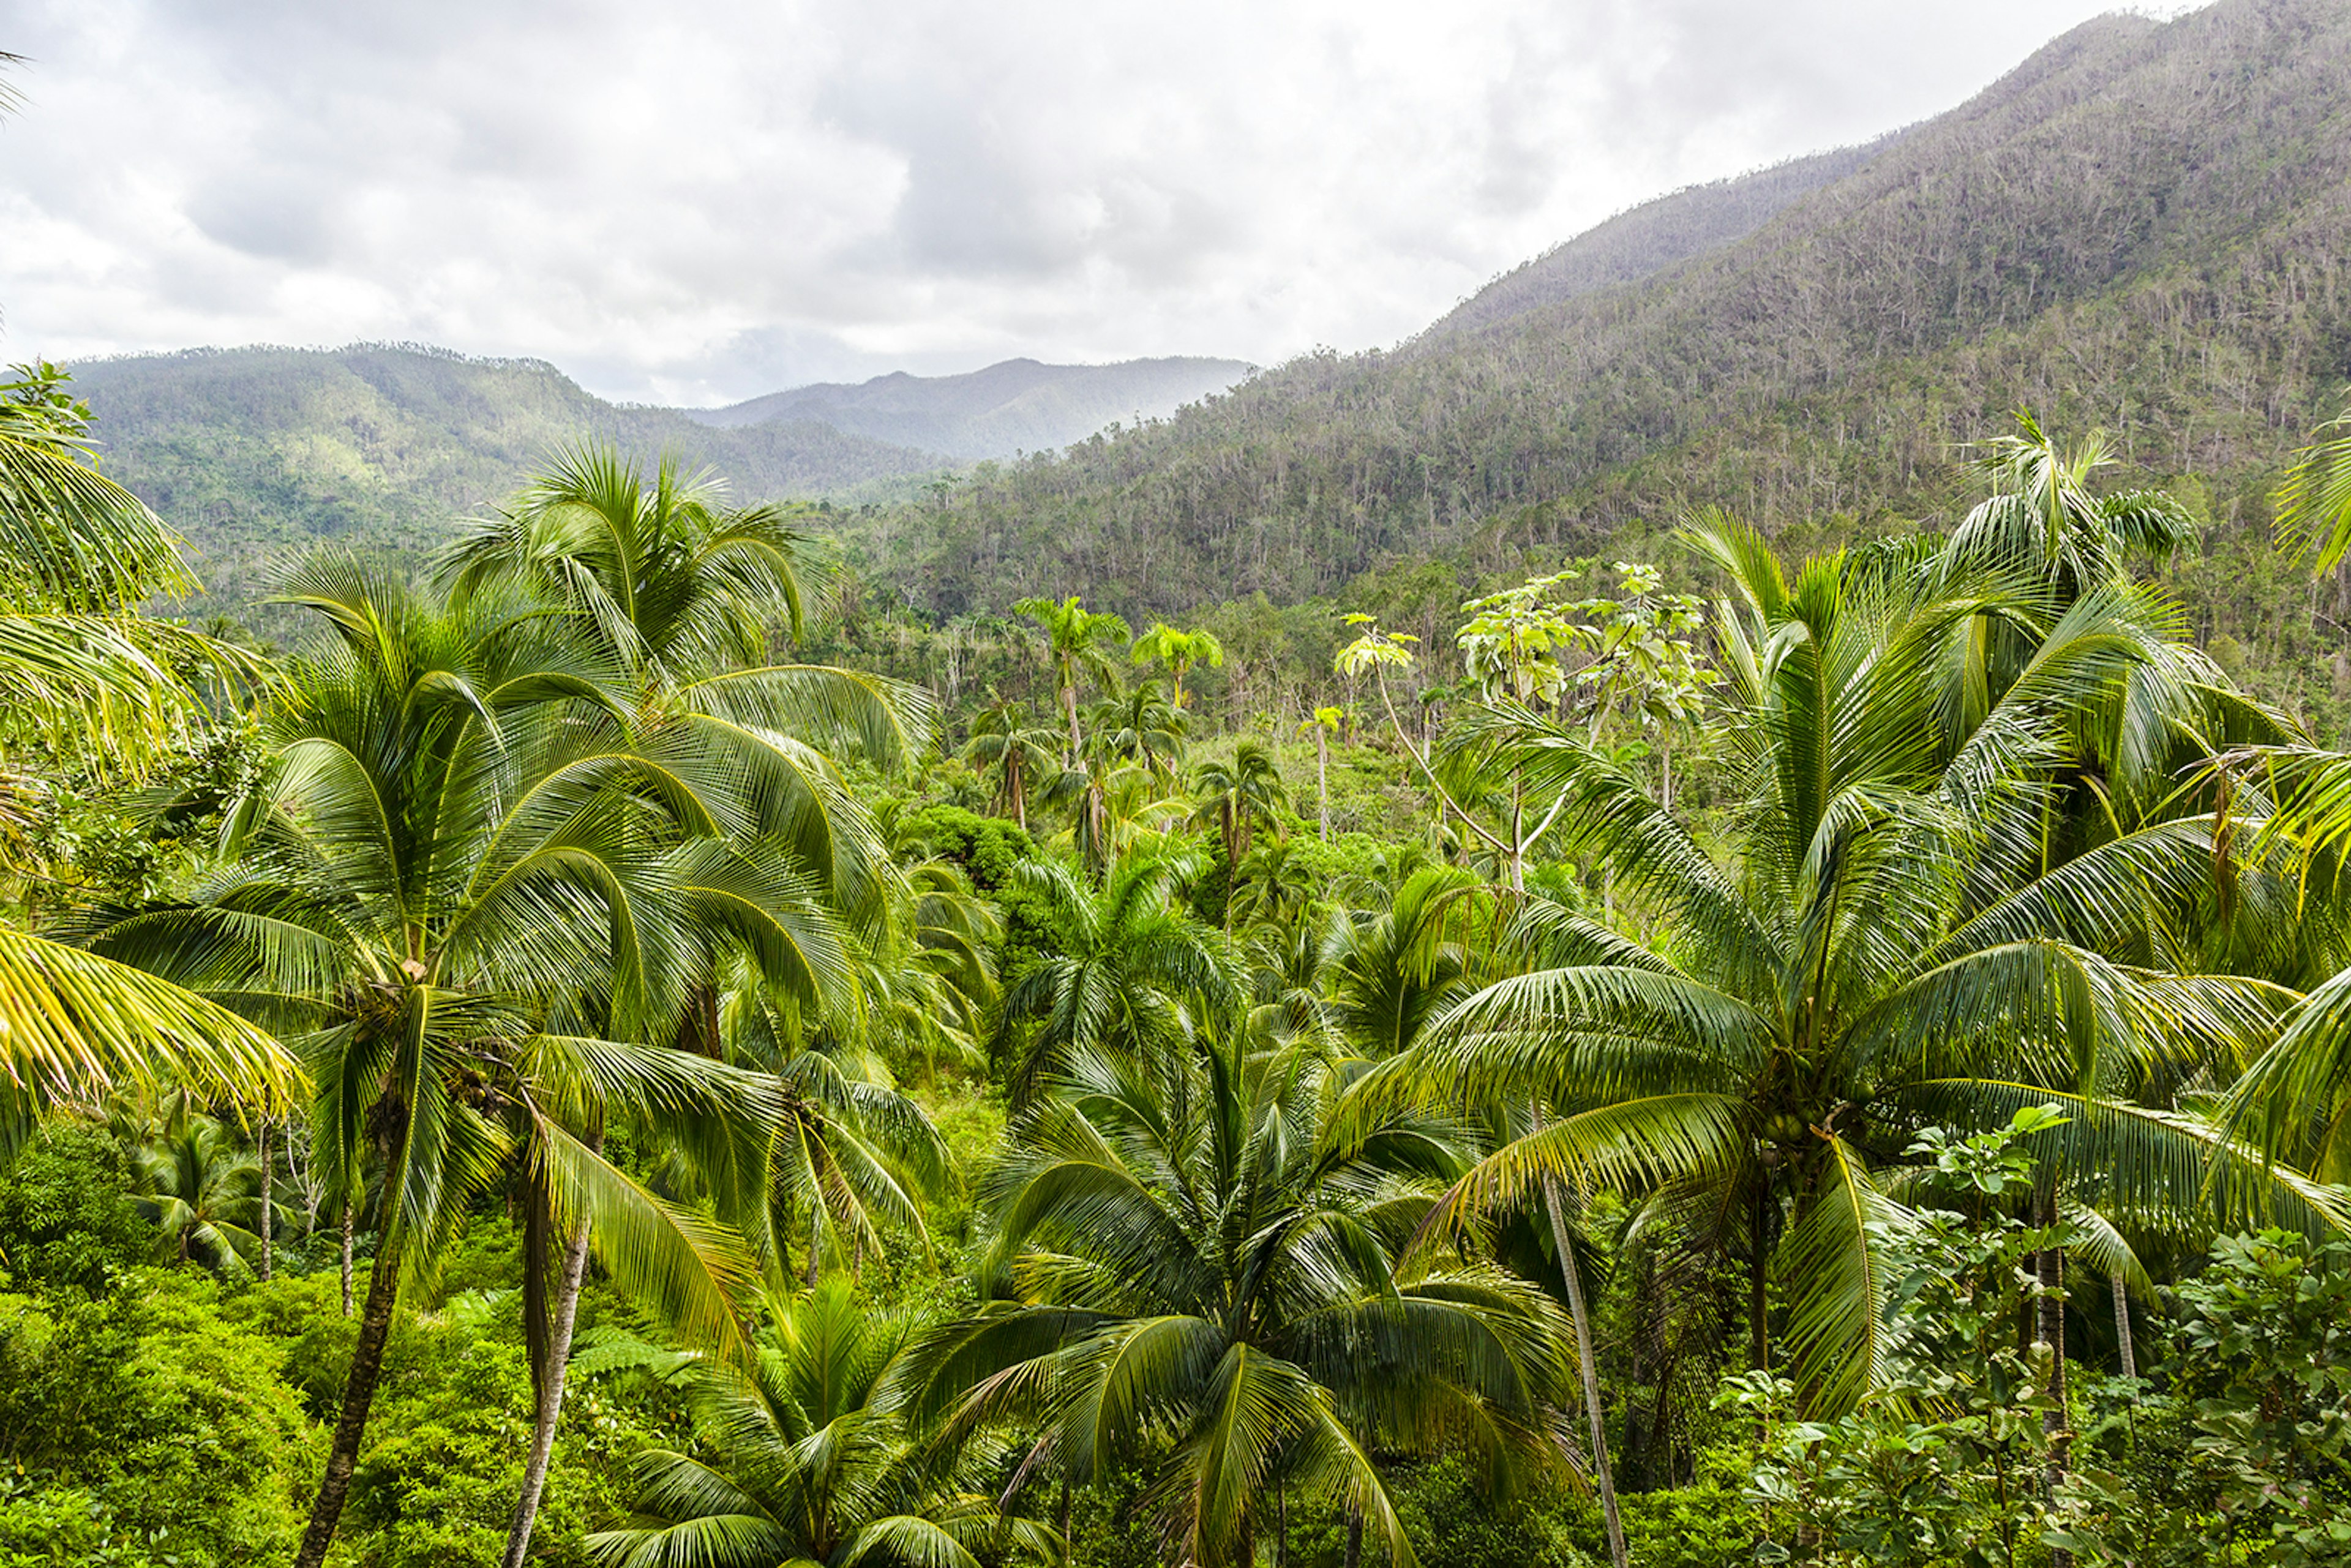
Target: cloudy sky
<point>701,200</point>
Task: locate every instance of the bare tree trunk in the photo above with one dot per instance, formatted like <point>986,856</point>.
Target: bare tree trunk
<point>1555,1202</point>
<point>346,1257</point>
<point>549,1406</point>
<point>358,1393</point>
<point>269,1156</point>
<point>1322,776</point>
<point>2123,1332</point>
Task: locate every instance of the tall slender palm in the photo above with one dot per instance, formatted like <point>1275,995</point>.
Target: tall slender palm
<point>469,894</point>
<point>1195,1277</point>
<point>1133,973</point>
<point>1016,754</point>
<point>686,594</point>
<point>799,1458</point>
<point>1903,938</point>
<point>1080,640</point>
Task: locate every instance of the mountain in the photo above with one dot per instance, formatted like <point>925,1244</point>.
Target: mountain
<point>2144,227</point>
<point>252,453</point>
<point>1646,240</point>
<point>1016,406</point>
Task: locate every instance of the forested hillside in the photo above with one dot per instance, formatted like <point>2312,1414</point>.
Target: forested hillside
<point>2143,228</point>
<point>252,453</point>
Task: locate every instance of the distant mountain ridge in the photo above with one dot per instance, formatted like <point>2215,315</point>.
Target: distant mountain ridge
<point>1014,406</point>
<point>256,453</point>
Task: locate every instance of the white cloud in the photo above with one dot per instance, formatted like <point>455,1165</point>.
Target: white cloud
<point>713,198</point>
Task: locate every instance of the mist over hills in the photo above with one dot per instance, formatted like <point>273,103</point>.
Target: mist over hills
<point>1013,407</point>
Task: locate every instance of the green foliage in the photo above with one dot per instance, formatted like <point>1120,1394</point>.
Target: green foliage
<point>2249,1446</point>
<point>66,1218</point>
<point>153,1420</point>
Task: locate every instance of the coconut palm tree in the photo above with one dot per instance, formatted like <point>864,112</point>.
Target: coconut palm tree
<point>1140,725</point>
<point>1079,641</point>
<point>850,1151</point>
<point>1193,1275</point>
<point>1016,754</point>
<point>83,672</point>
<point>1239,797</point>
<point>1907,936</point>
<point>469,896</point>
<point>799,1458</point>
<point>202,1191</point>
<point>1179,650</point>
<point>1134,972</point>
<point>684,594</point>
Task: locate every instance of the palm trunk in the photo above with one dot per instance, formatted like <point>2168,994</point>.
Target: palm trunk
<point>816,1245</point>
<point>2123,1332</point>
<point>2049,1327</point>
<point>1354,1539</point>
<point>358,1393</point>
<point>1069,707</point>
<point>556,1358</point>
<point>346,1257</point>
<point>1555,1203</point>
<point>267,1231</point>
<point>1758,1279</point>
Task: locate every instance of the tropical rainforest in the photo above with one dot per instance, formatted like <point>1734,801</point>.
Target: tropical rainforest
<point>1701,918</point>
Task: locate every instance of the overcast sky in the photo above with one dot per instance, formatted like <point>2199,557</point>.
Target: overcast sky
<point>701,200</point>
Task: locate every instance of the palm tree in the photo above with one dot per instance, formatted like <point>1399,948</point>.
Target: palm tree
<point>1016,754</point>
<point>686,594</point>
<point>468,893</point>
<point>849,1151</point>
<point>1140,725</point>
<point>202,1192</point>
<point>1271,884</point>
<point>683,595</point>
<point>801,1459</point>
<point>1179,650</point>
<point>1239,796</point>
<point>1389,972</point>
<point>1078,639</point>
<point>1909,936</point>
<point>82,671</point>
<point>1195,1276</point>
<point>1134,973</point>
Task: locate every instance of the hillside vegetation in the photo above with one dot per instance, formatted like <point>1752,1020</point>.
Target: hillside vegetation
<point>2142,228</point>
<point>253,453</point>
